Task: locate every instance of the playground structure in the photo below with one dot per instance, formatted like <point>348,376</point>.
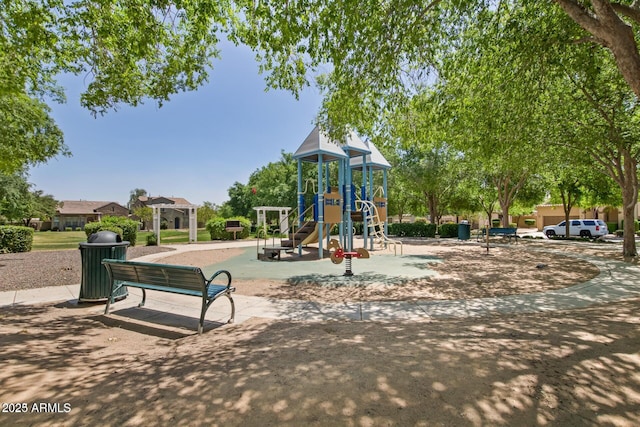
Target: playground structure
<point>339,205</point>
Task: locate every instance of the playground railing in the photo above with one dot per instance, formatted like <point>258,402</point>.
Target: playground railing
<point>293,220</point>
<point>260,233</point>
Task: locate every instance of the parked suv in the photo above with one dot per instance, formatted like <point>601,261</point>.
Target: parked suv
<point>578,227</point>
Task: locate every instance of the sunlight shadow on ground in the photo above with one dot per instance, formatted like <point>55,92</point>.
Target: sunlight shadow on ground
<point>358,279</point>
<point>164,318</point>
<point>563,368</point>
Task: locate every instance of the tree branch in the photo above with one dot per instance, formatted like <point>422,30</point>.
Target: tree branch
<point>581,15</point>
<point>630,11</point>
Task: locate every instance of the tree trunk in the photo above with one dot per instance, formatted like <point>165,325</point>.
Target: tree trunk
<point>629,201</point>
<point>504,207</point>
<point>432,205</point>
<point>566,206</point>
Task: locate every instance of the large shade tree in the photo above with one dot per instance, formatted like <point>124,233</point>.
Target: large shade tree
<point>489,104</point>
<point>424,158</point>
<point>19,202</point>
<point>125,52</point>
<point>601,121</point>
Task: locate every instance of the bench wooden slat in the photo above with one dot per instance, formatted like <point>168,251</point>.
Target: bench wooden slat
<point>184,280</point>
<point>162,288</point>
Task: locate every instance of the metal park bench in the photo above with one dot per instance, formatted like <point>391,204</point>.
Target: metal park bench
<point>498,231</point>
<point>175,279</point>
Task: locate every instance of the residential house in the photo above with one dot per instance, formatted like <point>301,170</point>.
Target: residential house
<point>75,214</point>
<point>172,219</point>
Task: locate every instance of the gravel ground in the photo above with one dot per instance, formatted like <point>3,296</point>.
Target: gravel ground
<point>38,269</point>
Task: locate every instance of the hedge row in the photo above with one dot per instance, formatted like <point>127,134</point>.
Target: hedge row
<point>15,239</point>
<point>416,229</point>
<point>127,229</point>
<point>448,230</point>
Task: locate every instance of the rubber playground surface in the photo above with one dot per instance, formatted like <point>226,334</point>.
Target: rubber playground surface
<point>383,267</point>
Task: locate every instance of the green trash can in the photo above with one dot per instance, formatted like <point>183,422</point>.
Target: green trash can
<point>464,231</point>
<point>95,284</point>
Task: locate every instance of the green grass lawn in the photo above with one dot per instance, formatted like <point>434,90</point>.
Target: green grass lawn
<point>174,236</point>
<point>56,240</point>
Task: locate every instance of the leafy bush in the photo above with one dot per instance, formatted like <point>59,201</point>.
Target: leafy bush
<point>359,228</point>
<point>152,240</point>
<point>416,229</point>
<point>128,228</point>
<point>15,239</point>
<point>216,228</point>
<point>94,227</point>
<point>530,222</point>
<point>448,230</point>
<point>495,223</point>
<point>612,226</point>
<point>636,225</point>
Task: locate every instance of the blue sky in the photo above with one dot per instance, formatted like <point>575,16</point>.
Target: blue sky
<point>196,146</point>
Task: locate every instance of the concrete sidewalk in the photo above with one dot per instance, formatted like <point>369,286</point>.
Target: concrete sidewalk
<point>616,281</point>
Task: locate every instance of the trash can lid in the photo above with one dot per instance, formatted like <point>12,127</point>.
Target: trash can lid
<point>104,237</point>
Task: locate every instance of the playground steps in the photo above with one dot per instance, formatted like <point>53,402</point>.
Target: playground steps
<point>300,234</point>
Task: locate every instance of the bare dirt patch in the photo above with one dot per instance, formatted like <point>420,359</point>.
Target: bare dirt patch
<point>552,369</point>
<point>464,271</point>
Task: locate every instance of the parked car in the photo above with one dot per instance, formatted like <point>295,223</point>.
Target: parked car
<point>578,227</point>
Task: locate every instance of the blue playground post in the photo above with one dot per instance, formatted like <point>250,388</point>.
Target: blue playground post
<point>301,203</point>
<point>349,202</point>
<point>328,175</point>
<point>320,206</point>
<point>365,220</point>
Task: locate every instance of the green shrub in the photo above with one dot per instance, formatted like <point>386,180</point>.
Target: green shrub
<point>530,222</point>
<point>636,225</point>
<point>495,222</point>
<point>448,230</point>
<point>513,225</point>
<point>94,227</point>
<point>128,228</point>
<point>152,240</point>
<point>359,228</point>
<point>612,226</point>
<point>216,228</point>
<point>416,229</point>
<point>68,229</point>
<point>15,239</point>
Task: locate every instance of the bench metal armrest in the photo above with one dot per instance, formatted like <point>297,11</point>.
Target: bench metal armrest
<point>219,272</point>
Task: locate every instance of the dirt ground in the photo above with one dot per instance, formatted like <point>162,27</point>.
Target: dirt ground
<point>579,367</point>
